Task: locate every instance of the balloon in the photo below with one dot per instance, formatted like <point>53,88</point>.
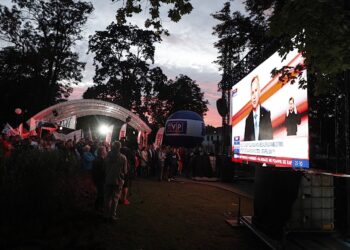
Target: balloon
<point>18,111</point>
<point>184,129</point>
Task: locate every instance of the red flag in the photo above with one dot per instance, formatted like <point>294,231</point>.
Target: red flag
<point>159,137</point>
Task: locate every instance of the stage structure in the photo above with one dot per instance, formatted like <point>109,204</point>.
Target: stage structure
<point>86,107</point>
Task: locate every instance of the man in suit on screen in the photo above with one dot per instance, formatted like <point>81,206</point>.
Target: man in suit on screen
<point>258,124</point>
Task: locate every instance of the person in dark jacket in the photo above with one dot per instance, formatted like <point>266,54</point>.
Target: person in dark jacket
<point>292,118</point>
<point>116,169</point>
<point>258,125</point>
<point>98,176</point>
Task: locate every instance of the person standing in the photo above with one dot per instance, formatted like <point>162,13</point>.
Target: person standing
<point>87,158</point>
<point>116,169</point>
<point>292,119</point>
<point>152,160</point>
<point>173,164</point>
<point>127,180</point>
<point>98,176</point>
<point>161,159</point>
<point>144,162</point>
<point>181,157</point>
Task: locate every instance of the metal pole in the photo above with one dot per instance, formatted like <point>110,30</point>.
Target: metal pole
<point>223,131</point>
<point>347,144</point>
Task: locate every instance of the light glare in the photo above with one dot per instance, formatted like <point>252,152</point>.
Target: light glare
<point>103,129</point>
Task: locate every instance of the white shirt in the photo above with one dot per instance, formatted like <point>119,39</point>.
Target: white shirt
<point>256,122</point>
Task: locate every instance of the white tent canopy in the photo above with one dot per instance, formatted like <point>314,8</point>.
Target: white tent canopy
<point>86,107</point>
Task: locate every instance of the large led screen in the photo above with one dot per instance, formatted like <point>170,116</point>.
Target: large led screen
<point>269,115</point>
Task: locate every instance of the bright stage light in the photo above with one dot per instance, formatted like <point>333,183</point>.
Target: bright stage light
<point>103,129</point>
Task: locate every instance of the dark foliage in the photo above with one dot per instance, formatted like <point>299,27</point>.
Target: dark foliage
<point>180,94</point>
<point>122,57</point>
<point>37,187</point>
<point>238,34</point>
<point>39,66</point>
<point>176,9</point>
<point>320,29</point>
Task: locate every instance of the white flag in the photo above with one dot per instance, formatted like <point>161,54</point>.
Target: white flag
<point>122,133</point>
<point>32,124</point>
<point>109,134</point>
<point>139,138</point>
<point>9,131</point>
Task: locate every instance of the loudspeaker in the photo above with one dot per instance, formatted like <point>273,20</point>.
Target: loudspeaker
<point>54,112</point>
<point>221,106</point>
<point>275,190</point>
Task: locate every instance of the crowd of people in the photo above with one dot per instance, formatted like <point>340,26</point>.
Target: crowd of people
<point>112,167</point>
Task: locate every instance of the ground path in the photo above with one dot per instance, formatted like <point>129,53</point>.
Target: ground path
<point>162,215</point>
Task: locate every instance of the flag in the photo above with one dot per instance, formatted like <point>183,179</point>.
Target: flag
<point>90,134</point>
<point>20,129</point>
<point>8,130</point>
<point>122,133</point>
<point>32,124</point>
<point>109,134</point>
<point>159,137</point>
<point>139,138</point>
<point>24,133</point>
<point>33,133</point>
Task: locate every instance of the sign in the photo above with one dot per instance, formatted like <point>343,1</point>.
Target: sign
<point>176,127</point>
<point>69,122</point>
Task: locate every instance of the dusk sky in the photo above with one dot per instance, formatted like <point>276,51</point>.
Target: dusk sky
<point>188,50</point>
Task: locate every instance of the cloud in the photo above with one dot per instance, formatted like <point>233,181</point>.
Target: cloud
<point>77,93</point>
<point>189,50</point>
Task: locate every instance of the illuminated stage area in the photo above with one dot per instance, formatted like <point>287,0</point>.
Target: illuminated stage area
<point>87,107</point>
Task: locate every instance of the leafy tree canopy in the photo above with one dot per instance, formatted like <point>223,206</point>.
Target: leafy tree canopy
<point>237,34</point>
<point>320,29</point>
<point>122,58</point>
<point>39,66</point>
<point>180,94</point>
<point>176,9</point>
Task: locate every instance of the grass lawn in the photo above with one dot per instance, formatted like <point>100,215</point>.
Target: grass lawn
<point>161,215</point>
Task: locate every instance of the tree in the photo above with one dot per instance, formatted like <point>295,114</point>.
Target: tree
<point>39,63</point>
<point>180,94</point>
<point>320,29</point>
<point>122,57</point>
<point>237,34</point>
<point>175,12</point>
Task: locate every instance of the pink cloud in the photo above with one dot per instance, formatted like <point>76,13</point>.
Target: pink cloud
<point>211,93</point>
<point>212,117</point>
<point>77,93</point>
